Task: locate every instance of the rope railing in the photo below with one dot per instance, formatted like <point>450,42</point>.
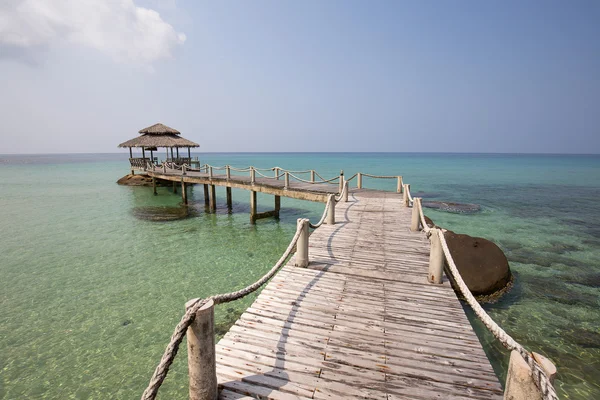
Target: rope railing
<point>325,212</point>
<point>379,176</point>
<point>539,376</point>
<point>160,373</point>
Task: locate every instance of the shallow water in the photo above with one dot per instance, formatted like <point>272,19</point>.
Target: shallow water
<point>95,275</point>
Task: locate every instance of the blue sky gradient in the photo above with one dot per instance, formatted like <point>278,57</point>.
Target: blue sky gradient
<point>517,77</point>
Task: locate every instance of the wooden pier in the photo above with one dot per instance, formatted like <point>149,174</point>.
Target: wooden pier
<point>362,310</point>
<point>361,321</point>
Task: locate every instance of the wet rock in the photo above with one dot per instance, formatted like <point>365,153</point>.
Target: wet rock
<point>458,208</point>
<point>482,265</point>
<point>126,322</point>
<point>141,180</point>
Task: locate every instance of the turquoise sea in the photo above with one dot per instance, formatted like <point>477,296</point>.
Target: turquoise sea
<point>94,276</point>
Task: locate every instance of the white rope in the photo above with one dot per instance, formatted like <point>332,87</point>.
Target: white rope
<point>539,375</point>
<point>318,224</point>
<point>426,227</point>
<point>344,190</point>
<point>263,175</point>
<point>380,176</point>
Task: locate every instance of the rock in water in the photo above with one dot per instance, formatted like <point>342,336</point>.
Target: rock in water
<point>482,265</point>
<point>458,208</point>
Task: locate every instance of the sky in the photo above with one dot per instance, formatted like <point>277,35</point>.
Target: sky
<point>312,76</point>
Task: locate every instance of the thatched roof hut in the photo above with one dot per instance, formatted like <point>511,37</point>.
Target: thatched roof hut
<point>158,135</point>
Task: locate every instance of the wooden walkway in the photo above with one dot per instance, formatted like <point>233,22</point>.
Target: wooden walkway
<point>360,322</point>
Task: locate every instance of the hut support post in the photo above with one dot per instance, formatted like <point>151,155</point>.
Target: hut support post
<point>301,259</point>
<point>228,192</point>
<point>359,180</point>
<point>213,198</point>
<point>415,220</point>
<point>519,381</point>
<point>399,185</point>
<point>190,155</point>
<point>252,207</point>
<point>154,185</point>
<point>202,367</point>
<point>330,218</point>
<point>130,157</point>
<point>171,154</point>
<point>436,258</point>
<point>205,194</point>
<point>177,148</point>
<point>184,192</point>
<point>174,187</point>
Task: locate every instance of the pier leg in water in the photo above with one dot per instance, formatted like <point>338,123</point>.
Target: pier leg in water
<point>436,257</point>
<point>205,194</point>
<point>228,192</point>
<point>213,198</point>
<point>174,187</point>
<point>184,192</point>
<point>253,207</point>
<point>202,367</point>
<point>277,206</point>
<point>154,185</point>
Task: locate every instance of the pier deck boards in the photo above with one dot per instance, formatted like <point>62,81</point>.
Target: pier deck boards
<point>360,322</point>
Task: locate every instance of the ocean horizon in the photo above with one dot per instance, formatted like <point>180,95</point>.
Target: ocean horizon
<point>95,275</point>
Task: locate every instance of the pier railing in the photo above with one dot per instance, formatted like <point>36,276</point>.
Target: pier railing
<point>198,320</point>
<point>275,173</point>
<point>522,362</point>
<point>199,316</point>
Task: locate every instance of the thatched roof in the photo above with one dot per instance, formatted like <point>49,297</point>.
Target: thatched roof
<point>156,140</point>
<point>159,129</point>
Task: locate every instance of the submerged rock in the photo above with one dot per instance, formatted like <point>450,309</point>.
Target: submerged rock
<point>154,213</point>
<point>481,263</point>
<point>459,208</point>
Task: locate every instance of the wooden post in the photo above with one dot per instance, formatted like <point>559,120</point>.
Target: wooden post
<point>330,218</point>
<point>341,185</point>
<point>228,192</point>
<point>154,185</point>
<point>519,380</point>
<point>172,154</point>
<point>213,198</point>
<point>252,207</point>
<point>277,173</point>
<point>184,192</point>
<point>206,201</point>
<point>130,157</point>
<point>210,173</point>
<point>346,189</point>
<point>228,172</point>
<point>287,180</point>
<point>277,206</point>
<point>405,195</point>
<point>174,187</point>
<point>202,366</point>
<point>436,258</point>
<point>183,170</point>
<point>416,217</point>
<point>301,259</point>
<point>359,180</point>
<point>312,175</point>
<point>177,149</point>
<point>189,155</point>
<point>252,175</point>
<point>399,185</point>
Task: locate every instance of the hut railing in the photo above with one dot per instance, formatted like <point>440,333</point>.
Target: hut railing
<point>522,362</point>
<point>139,162</point>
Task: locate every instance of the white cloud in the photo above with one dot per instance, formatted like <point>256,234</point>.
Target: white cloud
<point>119,28</point>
